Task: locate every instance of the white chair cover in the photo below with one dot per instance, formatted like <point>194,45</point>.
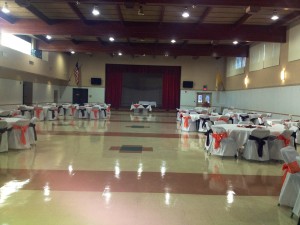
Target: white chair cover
<point>202,124</point>
<point>52,113</point>
<point>3,136</point>
<point>252,149</point>
<point>39,113</point>
<point>18,136</point>
<point>25,111</point>
<point>227,146</point>
<point>5,113</point>
<point>291,185</point>
<point>187,124</point>
<point>95,113</point>
<point>32,131</point>
<point>281,141</point>
<point>82,113</point>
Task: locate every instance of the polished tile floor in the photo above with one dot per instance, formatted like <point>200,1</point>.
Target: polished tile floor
<point>135,170</point>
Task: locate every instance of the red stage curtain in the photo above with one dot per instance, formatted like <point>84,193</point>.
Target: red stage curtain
<point>171,83</point>
<point>171,88</point>
<point>113,87</point>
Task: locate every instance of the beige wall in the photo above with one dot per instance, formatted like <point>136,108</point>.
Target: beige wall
<point>18,66</point>
<point>268,77</point>
<point>202,71</point>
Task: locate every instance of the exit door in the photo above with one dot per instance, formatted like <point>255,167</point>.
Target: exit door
<point>27,93</point>
<point>80,96</point>
<point>204,99</point>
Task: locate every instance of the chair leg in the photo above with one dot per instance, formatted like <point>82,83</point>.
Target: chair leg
<point>292,215</point>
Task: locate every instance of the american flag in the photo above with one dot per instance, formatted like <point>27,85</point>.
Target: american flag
<point>77,74</point>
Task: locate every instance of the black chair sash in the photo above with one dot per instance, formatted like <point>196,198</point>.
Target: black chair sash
<point>260,142</point>
<point>53,113</point>
<point>23,111</point>
<point>59,108</point>
<point>197,123</point>
<point>2,131</point>
<point>244,117</point>
<point>82,112</point>
<point>207,136</point>
<point>204,120</point>
<point>34,131</point>
<point>294,135</point>
<point>104,112</point>
<point>65,111</point>
<point>230,119</point>
<point>253,120</point>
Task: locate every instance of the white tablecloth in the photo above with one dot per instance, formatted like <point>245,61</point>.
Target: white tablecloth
<point>11,121</point>
<point>241,134</point>
<point>138,106</point>
<point>152,103</point>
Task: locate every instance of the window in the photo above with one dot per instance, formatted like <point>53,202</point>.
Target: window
<point>16,43</point>
<point>240,62</point>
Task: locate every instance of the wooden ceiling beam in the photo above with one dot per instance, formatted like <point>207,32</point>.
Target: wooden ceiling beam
<point>7,18</point>
<point>287,19</point>
<point>148,49</point>
<point>242,20</point>
<point>76,10</point>
<point>40,15</point>
<point>292,4</point>
<point>149,30</point>
<point>204,15</point>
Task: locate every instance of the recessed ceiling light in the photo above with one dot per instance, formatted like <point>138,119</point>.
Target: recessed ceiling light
<point>120,53</point>
<point>275,16</point>
<point>5,8</point>
<point>96,11</point>
<point>111,39</point>
<point>48,37</point>
<point>173,41</point>
<point>185,13</point>
<point>235,42</point>
<point>72,52</point>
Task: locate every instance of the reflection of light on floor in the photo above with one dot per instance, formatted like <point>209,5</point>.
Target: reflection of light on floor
<point>139,171</point>
<point>167,198</point>
<point>117,170</point>
<point>10,188</point>
<point>70,169</point>
<point>47,192</point>
<point>106,194</point>
<point>163,169</point>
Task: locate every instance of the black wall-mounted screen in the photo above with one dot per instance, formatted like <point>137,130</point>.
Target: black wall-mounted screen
<point>188,84</point>
<point>95,81</point>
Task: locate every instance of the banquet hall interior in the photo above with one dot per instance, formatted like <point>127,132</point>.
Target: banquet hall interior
<point>146,112</point>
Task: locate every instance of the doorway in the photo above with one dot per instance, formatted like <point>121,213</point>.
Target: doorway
<point>27,93</point>
<point>80,96</point>
<point>204,99</point>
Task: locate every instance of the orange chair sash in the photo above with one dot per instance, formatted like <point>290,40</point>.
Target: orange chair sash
<point>218,138</point>
<point>108,109</point>
<point>23,131</point>
<point>292,167</point>
<point>223,119</point>
<point>186,121</point>
<point>95,111</point>
<point>38,112</point>
<point>284,139</point>
<point>73,110</point>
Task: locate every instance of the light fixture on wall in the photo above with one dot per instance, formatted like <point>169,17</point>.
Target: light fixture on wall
<point>275,15</point>
<point>185,13</point>
<point>246,81</point>
<point>141,11</point>
<point>5,8</point>
<point>282,75</point>
<point>96,11</point>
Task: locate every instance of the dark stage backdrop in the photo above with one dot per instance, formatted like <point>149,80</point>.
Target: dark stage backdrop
<point>116,74</point>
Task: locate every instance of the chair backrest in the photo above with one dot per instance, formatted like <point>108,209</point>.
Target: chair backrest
<point>218,130</point>
<point>260,133</point>
<point>287,133</point>
<point>3,124</point>
<point>246,122</point>
<point>33,120</point>
<point>294,128</point>
<point>5,113</point>
<point>22,122</point>
<point>208,125</point>
<point>289,154</point>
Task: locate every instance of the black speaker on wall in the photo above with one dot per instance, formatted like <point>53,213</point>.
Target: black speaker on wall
<point>96,81</point>
<point>188,84</point>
